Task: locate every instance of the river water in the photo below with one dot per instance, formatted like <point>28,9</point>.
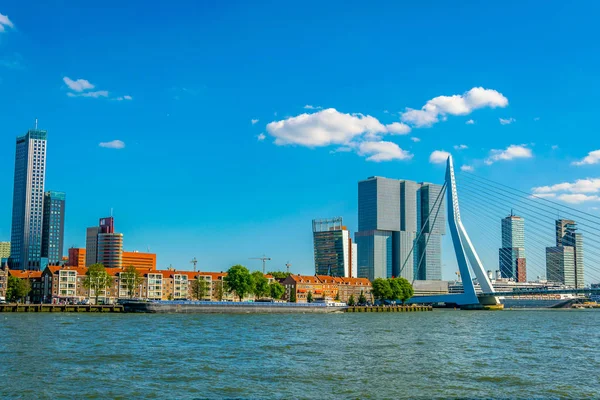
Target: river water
<point>439,354</point>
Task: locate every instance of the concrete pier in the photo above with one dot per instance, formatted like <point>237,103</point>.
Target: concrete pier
<point>12,307</point>
<point>411,308</point>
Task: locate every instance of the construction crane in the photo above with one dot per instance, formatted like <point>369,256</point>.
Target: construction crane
<point>264,261</point>
<point>288,265</point>
<point>194,262</point>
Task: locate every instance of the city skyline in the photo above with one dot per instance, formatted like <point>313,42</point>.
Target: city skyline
<point>124,129</point>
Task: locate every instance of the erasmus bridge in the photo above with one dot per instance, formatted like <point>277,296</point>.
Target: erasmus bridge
<point>487,203</point>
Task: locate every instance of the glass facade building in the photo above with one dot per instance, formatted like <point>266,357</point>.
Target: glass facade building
<point>511,256</point>
<point>53,226</point>
<point>332,248</point>
<point>564,263</point>
<point>28,200</point>
<point>391,214</point>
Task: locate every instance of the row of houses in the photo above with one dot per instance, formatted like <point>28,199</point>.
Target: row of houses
<point>56,284</point>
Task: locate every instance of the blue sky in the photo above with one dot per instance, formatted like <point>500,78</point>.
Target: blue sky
<point>183,165</point>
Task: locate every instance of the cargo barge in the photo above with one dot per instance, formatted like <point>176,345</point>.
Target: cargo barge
<point>228,307</point>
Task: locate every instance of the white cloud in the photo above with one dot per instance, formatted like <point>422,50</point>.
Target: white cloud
<point>464,104</point>
<point>78,85</point>
<point>554,147</point>
<point>120,98</point>
<point>510,153</point>
<point>461,147</point>
<point>261,137</point>
<point>323,128</point>
<point>5,22</point>
<point>309,107</point>
<point>590,185</point>
<point>467,168</point>
<point>115,144</point>
<point>99,93</point>
<point>127,97</point>
<point>386,112</point>
<point>593,157</point>
<point>470,122</point>
<point>439,157</point>
<point>254,121</point>
<point>580,191</point>
<point>398,128</point>
<point>577,198</point>
<point>383,151</point>
<point>506,121</point>
<point>415,139</point>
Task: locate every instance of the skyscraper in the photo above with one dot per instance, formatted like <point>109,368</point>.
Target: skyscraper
<point>53,226</point>
<point>564,262</point>
<point>512,262</point>
<point>332,247</point>
<point>28,200</point>
<point>391,215</point>
<point>103,245</point>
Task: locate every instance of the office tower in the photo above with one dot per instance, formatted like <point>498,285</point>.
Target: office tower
<point>91,245</point>
<point>431,219</point>
<point>103,245</point>
<point>139,260</point>
<point>564,262</point>
<point>4,250</point>
<point>332,247</point>
<point>77,257</point>
<point>110,249</point>
<point>53,227</point>
<point>392,215</point>
<point>28,199</point>
<point>512,260</point>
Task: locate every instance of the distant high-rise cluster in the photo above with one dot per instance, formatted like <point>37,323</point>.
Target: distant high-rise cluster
<point>335,254</point>
<point>400,224</point>
<point>512,261</point>
<point>564,262</point>
<point>37,228</point>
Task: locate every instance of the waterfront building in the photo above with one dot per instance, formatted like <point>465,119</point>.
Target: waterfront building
<point>512,261</point>
<point>35,280</point>
<point>28,200</point>
<point>76,257</point>
<point>400,224</point>
<point>3,281</point>
<point>324,287</point>
<point>53,227</point>
<point>347,287</point>
<point>332,248</point>
<point>564,262</point>
<point>4,250</point>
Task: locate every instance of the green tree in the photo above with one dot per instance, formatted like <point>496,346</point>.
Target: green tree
<point>17,289</point>
<point>362,299</point>
<point>397,289</point>
<point>239,280</point>
<point>292,296</point>
<point>309,297</point>
<point>337,296</point>
<point>132,279</point>
<point>351,300</point>
<point>381,289</point>
<point>199,288</point>
<point>279,274</point>
<point>219,291</point>
<point>277,290</point>
<point>407,289</point>
<point>97,279</point>
<point>260,284</point>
